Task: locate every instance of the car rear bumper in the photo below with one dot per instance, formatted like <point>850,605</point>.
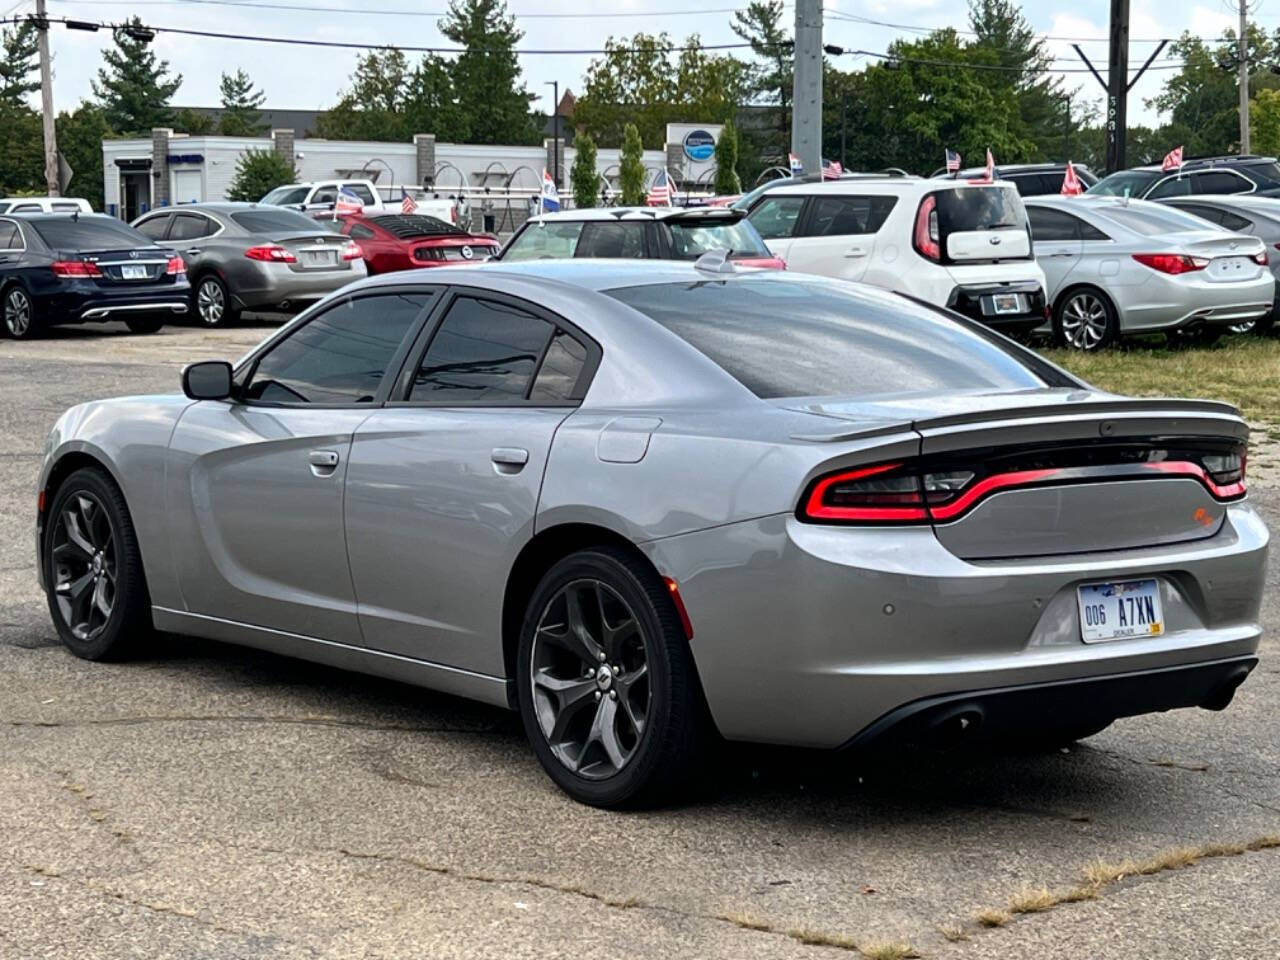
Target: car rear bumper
<point>974,301</point>
<point>828,629</point>
<point>258,285</point>
<point>83,301</point>
<point>1175,302</point>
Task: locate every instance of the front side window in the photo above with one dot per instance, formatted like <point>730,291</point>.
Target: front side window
<point>775,217</point>
<point>339,356</point>
<point>611,240</point>
<point>27,208</point>
<point>1172,187</point>
<point>155,228</point>
<point>548,240</point>
<point>325,195</point>
<point>483,352</point>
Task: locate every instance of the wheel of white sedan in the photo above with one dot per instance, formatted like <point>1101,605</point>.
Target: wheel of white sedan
<point>607,688</point>
<point>93,570</point>
<point>1085,320</point>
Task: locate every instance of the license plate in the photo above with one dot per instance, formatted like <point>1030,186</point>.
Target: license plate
<point>133,271</point>
<point>318,258</point>
<point>1007,303</point>
<point>1116,611</point>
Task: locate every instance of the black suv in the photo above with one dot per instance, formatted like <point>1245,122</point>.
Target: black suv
<point>1259,176</point>
<point>1031,179</point>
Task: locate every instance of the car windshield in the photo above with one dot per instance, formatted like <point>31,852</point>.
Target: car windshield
<point>283,195</point>
<point>692,238</point>
<point>783,337</point>
<point>746,201</point>
<point>275,221</point>
<point>1126,183</point>
<point>1151,220</point>
<point>89,233</point>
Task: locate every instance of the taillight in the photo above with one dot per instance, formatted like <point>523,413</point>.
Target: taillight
<point>1260,258</point>
<point>1173,263</point>
<point>175,266</point>
<point>271,252</point>
<point>927,241</point>
<point>884,493</point>
<point>351,251</point>
<point>75,268</point>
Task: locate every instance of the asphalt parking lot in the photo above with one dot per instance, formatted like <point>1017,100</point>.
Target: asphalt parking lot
<point>215,802</point>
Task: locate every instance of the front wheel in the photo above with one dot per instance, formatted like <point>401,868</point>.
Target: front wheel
<point>20,320</point>
<point>607,688</point>
<point>1086,320</point>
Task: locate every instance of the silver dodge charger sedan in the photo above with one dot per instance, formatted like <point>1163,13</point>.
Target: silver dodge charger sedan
<point>649,503</point>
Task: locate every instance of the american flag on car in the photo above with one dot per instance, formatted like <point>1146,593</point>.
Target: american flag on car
<point>408,205</point>
<point>660,192</point>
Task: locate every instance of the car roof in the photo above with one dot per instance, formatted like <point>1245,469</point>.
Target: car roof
<point>894,185</point>
<point>638,213</point>
<point>1018,168</point>
<point>218,206</point>
<point>1204,163</point>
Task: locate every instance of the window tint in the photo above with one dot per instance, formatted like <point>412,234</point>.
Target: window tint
<point>10,238</point>
<point>1172,187</point>
<point>89,233</point>
<point>545,240</point>
<point>275,221</point>
<point>1222,181</point>
<point>359,231</point>
<point>339,356</point>
<point>483,352</point>
<point>962,209</point>
<point>560,371</point>
<point>792,338</point>
<point>154,228</point>
<point>1089,232</point>
<point>775,217</point>
<point>603,239</point>
<point>1052,225</point>
<point>1200,210</point>
<point>843,216</point>
<point>1233,222</point>
<point>190,226</point>
<point>364,193</point>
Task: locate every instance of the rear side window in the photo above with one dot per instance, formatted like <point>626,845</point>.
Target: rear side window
<point>275,221</point>
<point>966,209</point>
<point>545,241</point>
<point>1233,222</point>
<point>10,238</point>
<point>89,234</point>
<point>775,217</point>
<point>557,379</point>
<point>793,338</point>
<point>27,208</point>
<point>1222,181</point>
<point>360,190</point>
<point>845,216</point>
<point>611,240</point>
<point>190,226</point>
<point>1052,225</point>
<point>358,231</point>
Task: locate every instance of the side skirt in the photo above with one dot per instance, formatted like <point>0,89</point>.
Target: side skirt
<point>497,691</point>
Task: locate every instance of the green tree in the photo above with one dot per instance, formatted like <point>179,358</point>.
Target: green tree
<point>373,107</point>
<point>21,150</point>
<point>1264,122</point>
<point>80,136</point>
<point>194,122</point>
<point>631,166</point>
<point>241,106</point>
<point>258,172</point>
<point>486,75</point>
<point>726,181</point>
<point>18,70</point>
<point>762,25</point>
<point>583,174</point>
<point>134,87</point>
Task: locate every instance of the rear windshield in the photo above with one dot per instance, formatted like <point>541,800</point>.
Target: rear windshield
<point>691,238</point>
<point>795,338</point>
<point>415,225</point>
<point>1131,183</point>
<point>275,221</point>
<point>89,234</point>
<point>1151,220</point>
<point>962,209</point>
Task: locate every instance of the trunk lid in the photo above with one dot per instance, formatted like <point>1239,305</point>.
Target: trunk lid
<point>321,250</point>
<point>130,266</point>
<point>1230,256</point>
<point>982,223</point>
<point>464,249</point>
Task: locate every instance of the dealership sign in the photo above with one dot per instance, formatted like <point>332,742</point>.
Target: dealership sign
<point>699,145</point>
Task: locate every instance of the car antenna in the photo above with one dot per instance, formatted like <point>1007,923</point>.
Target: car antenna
<point>715,261</point>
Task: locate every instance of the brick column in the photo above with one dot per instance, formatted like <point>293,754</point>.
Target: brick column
<point>424,148</point>
<point>160,165</point>
<point>549,145</point>
<point>282,144</point>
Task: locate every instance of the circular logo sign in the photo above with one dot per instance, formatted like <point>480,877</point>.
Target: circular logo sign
<point>699,145</point>
<point>467,253</point>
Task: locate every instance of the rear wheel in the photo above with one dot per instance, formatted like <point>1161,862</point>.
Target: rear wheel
<point>96,587</point>
<point>212,303</point>
<point>1201,336</point>
<point>1086,320</point>
<point>144,324</point>
<point>20,321</point>
<point>607,688</point>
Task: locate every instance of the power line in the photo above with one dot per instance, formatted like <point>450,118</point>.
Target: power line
<point>388,12</point>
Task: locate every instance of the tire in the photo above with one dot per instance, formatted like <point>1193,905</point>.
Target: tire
<point>20,320</point>
<point>1085,319</point>
<point>1201,336</point>
<point>95,584</point>
<point>144,324</point>
<point>211,304</point>
<point>630,736</point>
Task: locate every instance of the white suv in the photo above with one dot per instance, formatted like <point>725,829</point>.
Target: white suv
<point>957,244</point>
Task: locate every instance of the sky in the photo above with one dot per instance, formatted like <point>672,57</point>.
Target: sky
<point>312,78</point>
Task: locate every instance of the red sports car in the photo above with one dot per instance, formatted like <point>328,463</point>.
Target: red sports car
<point>397,241</point>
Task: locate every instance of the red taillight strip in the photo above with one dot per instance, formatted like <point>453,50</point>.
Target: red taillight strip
<point>815,509</point>
<point>1185,468</point>
<point>998,481</point>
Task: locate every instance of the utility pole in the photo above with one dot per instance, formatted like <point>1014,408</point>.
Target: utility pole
<point>46,102</point>
<point>1118,86</point>
<point>555,131</point>
<point>806,97</point>
<point>1243,56</point>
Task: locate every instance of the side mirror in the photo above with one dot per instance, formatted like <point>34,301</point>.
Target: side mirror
<point>207,380</point>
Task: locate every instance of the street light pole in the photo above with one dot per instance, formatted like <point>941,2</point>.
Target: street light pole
<point>46,102</point>
<point>555,130</point>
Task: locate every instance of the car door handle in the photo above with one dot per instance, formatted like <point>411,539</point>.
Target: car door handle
<point>193,252</point>
<point>853,252</point>
<point>509,459</point>
<point>323,462</point>
<point>1062,253</point>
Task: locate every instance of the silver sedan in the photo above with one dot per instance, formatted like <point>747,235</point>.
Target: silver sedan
<point>1116,267</point>
<point>650,503</point>
<point>244,256</point>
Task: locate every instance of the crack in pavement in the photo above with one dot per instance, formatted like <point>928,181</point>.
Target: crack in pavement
<point>312,721</point>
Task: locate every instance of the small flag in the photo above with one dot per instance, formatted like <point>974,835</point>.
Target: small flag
<point>408,205</point>
<point>661,193</point>
<point>1172,160</point>
<point>797,168</point>
<point>953,162</point>
<point>831,170</point>
<point>348,203</point>
<point>1071,186</point>
<point>991,167</point>
<point>550,201</point>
